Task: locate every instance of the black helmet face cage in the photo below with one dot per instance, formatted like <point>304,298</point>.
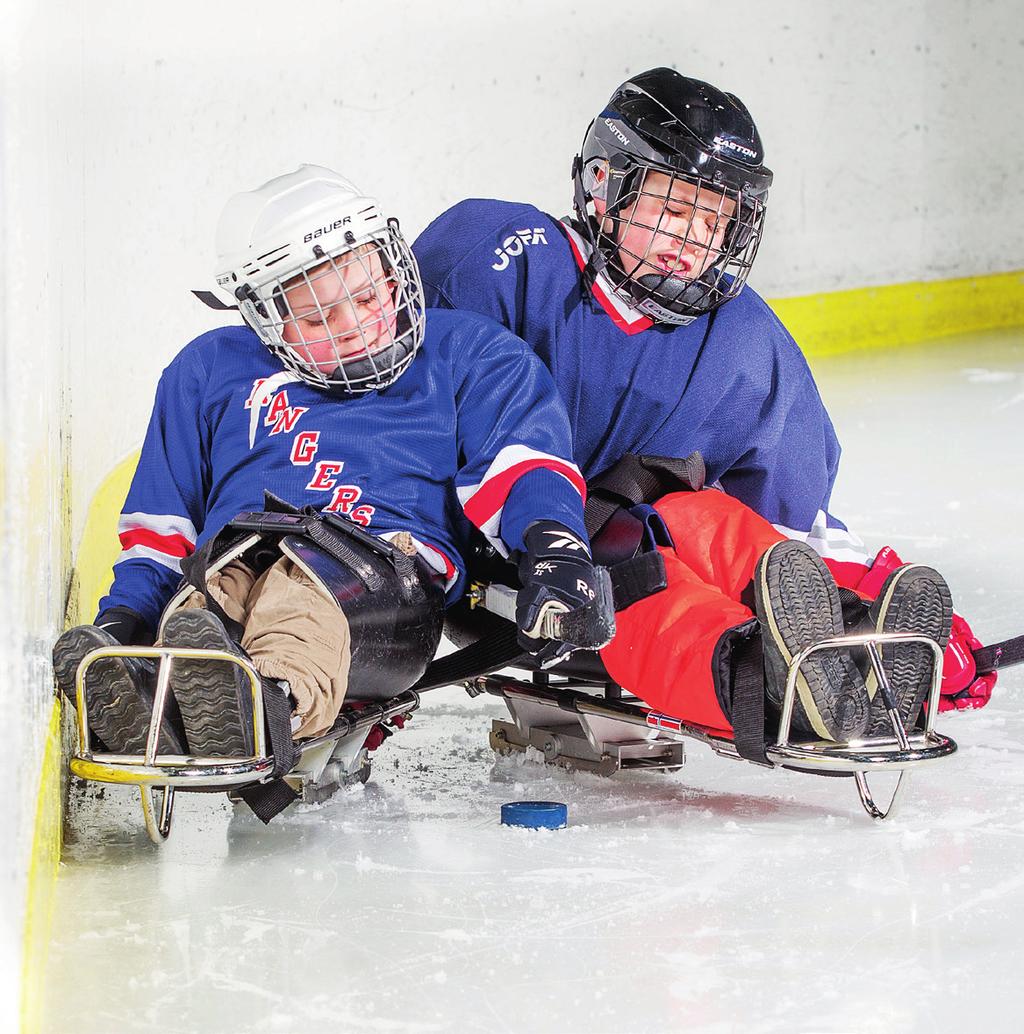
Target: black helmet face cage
<point>676,251</point>
<point>350,320</point>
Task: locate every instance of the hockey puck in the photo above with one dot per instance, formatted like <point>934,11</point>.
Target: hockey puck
<point>535,814</point>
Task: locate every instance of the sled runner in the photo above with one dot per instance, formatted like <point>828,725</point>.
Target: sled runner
<point>573,719</point>
<point>581,723</point>
<point>325,763</point>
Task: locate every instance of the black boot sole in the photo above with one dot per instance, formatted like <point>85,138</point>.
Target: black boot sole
<point>214,696</point>
<point>914,599</point>
<point>119,710</point>
<point>798,605</point>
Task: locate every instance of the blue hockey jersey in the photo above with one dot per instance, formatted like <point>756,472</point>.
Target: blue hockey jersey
<point>732,384</point>
<point>474,429</point>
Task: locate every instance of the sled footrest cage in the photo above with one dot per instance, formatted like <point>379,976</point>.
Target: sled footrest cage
<point>577,729</point>
<point>325,763</point>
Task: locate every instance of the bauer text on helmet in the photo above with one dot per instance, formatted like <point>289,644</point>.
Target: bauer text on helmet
<point>324,278</point>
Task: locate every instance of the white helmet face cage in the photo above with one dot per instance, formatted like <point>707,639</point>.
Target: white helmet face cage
<point>348,320</point>
<point>676,252</point>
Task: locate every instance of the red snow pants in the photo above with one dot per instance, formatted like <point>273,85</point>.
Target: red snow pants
<point>663,645</point>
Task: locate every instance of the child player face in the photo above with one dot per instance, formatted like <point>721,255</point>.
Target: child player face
<point>671,228</point>
<point>339,310</point>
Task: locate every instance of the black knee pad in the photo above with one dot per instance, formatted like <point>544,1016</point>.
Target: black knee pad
<point>394,619</point>
<point>394,604</point>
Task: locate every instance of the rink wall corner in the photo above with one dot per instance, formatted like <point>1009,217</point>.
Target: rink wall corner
<point>895,314</point>
<point>89,578</point>
<point>42,873</point>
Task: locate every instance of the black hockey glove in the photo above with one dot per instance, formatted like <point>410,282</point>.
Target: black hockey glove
<point>557,574</point>
<point>126,626</point>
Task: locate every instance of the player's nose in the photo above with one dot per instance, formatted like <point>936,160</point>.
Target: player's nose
<point>702,229</point>
<point>343,319</point>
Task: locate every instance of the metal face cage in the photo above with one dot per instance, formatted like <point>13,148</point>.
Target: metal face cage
<point>677,246</point>
<point>348,321</point>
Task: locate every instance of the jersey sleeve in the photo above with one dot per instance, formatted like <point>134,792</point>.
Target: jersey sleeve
<point>514,442</point>
<point>163,513</point>
<point>467,259</point>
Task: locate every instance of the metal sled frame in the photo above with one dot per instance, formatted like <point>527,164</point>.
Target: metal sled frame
<point>572,728</point>
<point>580,730</point>
<point>326,762</point>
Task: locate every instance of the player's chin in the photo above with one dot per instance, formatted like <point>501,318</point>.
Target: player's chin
<point>329,360</point>
<point>326,368</point>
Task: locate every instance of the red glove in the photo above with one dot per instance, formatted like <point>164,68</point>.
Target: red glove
<point>887,561</point>
<point>962,687</point>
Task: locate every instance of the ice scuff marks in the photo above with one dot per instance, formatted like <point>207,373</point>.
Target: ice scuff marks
<point>980,375</point>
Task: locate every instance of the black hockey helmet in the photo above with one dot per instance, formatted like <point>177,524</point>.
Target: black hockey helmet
<point>692,132</point>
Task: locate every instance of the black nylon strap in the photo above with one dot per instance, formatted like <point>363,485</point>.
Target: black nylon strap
<point>271,797</point>
<point>748,701</point>
<point>275,504</point>
<point>637,578</point>
<point>640,479</point>
<point>597,513</point>
<point>999,655</point>
<point>332,541</point>
<point>194,570</point>
<point>494,651</point>
<point>268,800</point>
<point>277,717</point>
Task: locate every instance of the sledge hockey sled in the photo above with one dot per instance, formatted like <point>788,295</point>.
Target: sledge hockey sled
<point>581,723</point>
<point>324,764</point>
<point>572,714</point>
<point>573,717</point>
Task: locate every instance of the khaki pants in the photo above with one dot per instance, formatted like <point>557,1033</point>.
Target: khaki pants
<point>292,632</point>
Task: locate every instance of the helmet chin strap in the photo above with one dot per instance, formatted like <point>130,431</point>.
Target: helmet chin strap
<point>674,293</point>
<point>589,225</point>
<point>365,368</point>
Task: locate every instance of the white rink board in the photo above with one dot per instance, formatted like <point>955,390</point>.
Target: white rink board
<point>720,898</point>
<point>887,130</point>
<point>123,127</point>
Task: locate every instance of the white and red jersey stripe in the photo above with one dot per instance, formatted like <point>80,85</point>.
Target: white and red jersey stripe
<point>622,315</point>
<point>846,552</point>
<point>484,501</point>
<point>165,538</point>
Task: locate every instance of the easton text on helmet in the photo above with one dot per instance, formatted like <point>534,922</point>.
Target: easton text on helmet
<point>732,146</point>
<point>617,132</point>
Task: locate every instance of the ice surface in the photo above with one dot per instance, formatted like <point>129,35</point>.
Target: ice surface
<point>719,898</point>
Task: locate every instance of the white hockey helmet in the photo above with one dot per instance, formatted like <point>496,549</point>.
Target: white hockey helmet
<point>324,278</point>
